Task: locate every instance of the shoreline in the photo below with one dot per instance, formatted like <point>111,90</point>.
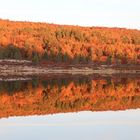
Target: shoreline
<point>32,70</point>
<point>26,68</point>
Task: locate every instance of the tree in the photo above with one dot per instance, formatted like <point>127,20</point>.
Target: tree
<point>46,56</point>
<point>109,60</point>
<point>17,54</point>
<point>35,58</point>
<point>59,56</point>
<point>65,57</point>
<point>12,52</point>
<point>91,53</point>
<point>76,59</point>
<point>1,53</point>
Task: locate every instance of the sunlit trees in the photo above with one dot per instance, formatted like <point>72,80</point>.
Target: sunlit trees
<point>90,44</point>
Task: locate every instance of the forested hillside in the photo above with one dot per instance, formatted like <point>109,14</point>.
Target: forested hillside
<point>68,44</point>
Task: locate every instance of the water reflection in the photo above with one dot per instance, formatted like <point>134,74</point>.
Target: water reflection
<point>49,95</point>
<point>118,125</point>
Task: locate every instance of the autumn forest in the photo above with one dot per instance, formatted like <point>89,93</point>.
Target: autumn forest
<point>41,42</point>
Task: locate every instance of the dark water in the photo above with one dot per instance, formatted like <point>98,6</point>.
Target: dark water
<point>71,107</point>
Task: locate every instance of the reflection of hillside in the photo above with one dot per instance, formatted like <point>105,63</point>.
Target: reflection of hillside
<point>47,97</point>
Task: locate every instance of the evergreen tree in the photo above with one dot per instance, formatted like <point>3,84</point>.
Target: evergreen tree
<point>35,58</point>
<point>17,54</point>
<point>46,56</point>
<point>59,56</point>
<point>109,60</point>
<point>91,52</point>
<point>65,57</point>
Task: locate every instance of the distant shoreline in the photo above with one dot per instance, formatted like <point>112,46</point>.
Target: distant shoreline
<point>26,68</point>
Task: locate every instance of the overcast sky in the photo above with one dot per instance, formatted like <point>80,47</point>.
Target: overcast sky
<point>114,13</point>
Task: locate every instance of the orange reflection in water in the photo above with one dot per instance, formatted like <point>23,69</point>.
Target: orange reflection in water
<point>48,98</point>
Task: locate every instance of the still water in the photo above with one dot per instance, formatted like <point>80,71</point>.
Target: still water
<point>70,107</point>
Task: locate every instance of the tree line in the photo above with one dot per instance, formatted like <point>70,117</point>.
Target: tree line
<point>71,44</point>
<point>12,52</point>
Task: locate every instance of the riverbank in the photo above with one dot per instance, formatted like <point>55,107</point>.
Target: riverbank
<point>27,68</point>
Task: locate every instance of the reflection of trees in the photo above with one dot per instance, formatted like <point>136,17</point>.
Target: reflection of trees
<point>67,95</point>
<point>12,87</point>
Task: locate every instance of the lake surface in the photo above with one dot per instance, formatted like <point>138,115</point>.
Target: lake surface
<point>61,107</point>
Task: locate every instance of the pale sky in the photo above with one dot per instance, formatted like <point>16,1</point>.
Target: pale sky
<point>112,13</point>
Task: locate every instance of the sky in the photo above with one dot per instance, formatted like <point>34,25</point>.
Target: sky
<point>110,13</point>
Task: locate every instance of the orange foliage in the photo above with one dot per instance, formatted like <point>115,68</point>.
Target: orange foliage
<point>121,44</point>
<point>95,95</point>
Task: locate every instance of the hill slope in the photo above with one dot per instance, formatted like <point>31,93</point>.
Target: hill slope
<point>61,43</point>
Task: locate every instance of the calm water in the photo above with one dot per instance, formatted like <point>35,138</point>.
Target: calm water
<point>70,107</point>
